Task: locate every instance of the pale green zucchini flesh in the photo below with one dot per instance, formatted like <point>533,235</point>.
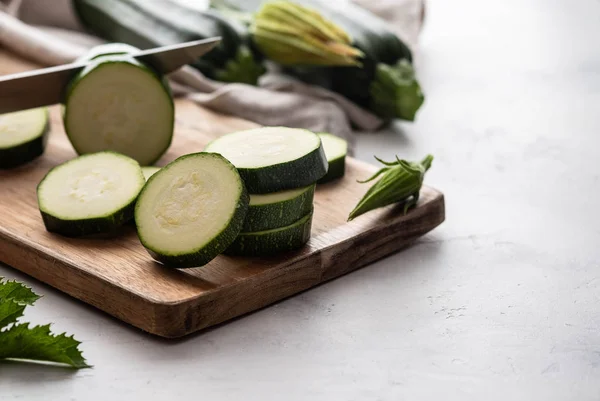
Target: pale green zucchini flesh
<point>118,104</point>
<point>23,136</point>
<point>191,210</point>
<point>90,194</point>
<point>107,49</point>
<point>336,149</point>
<point>149,171</point>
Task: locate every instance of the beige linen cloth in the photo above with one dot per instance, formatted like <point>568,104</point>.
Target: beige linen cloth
<point>47,32</point>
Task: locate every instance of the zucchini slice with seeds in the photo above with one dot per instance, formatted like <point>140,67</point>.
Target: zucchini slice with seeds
<point>272,159</point>
<point>23,136</point>
<point>278,209</point>
<point>272,242</point>
<point>91,194</point>
<point>191,210</point>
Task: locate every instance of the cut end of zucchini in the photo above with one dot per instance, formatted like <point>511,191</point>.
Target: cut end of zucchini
<point>191,210</point>
<point>23,136</point>
<point>120,105</point>
<point>91,194</point>
<point>272,159</point>
<point>273,242</point>
<point>336,149</point>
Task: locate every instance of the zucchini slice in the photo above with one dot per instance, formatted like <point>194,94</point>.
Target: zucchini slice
<point>272,242</point>
<point>23,136</point>
<point>336,150</point>
<point>272,159</point>
<point>119,104</point>
<point>91,194</point>
<point>278,209</point>
<point>149,171</point>
<point>191,210</point>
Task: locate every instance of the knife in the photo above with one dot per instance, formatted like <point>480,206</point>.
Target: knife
<point>46,86</point>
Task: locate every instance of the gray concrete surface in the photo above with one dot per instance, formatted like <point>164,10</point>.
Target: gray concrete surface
<point>501,302</point>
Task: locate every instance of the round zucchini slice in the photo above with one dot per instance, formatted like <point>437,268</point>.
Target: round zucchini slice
<point>91,194</point>
<point>23,136</point>
<point>278,209</point>
<point>272,159</point>
<point>336,149</point>
<point>191,210</point>
<point>119,104</point>
<point>272,242</point>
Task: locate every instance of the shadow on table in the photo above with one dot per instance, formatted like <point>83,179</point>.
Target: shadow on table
<point>33,372</point>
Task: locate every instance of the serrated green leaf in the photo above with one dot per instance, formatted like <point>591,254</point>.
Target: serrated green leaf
<point>38,344</point>
<point>10,311</point>
<point>18,292</point>
<point>14,298</point>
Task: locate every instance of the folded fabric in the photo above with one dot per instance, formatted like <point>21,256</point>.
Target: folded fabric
<point>48,33</point>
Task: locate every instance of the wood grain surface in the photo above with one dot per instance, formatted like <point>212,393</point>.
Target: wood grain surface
<point>119,277</point>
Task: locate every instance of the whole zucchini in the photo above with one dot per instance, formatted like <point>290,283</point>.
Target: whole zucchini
<point>152,23</point>
<point>385,81</point>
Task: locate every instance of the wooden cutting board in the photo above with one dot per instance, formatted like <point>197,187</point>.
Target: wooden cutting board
<point>119,277</point>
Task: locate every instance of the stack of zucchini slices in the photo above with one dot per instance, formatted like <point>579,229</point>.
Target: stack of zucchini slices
<point>280,167</point>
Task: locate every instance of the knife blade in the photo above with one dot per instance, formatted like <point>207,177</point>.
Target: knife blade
<point>46,86</point>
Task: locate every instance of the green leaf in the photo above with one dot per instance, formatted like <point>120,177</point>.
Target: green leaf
<point>10,311</point>
<point>17,292</point>
<point>14,298</point>
<point>38,344</point>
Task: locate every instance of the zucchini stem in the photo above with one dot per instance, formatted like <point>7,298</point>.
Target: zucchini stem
<point>395,91</point>
<point>426,162</point>
<point>244,68</point>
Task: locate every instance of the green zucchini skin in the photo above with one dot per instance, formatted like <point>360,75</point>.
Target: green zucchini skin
<point>337,169</point>
<point>337,161</point>
<point>97,226</point>
<point>279,214</point>
<point>294,174</point>
<point>26,152</point>
<point>146,24</point>
<point>213,248</point>
<point>272,242</point>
